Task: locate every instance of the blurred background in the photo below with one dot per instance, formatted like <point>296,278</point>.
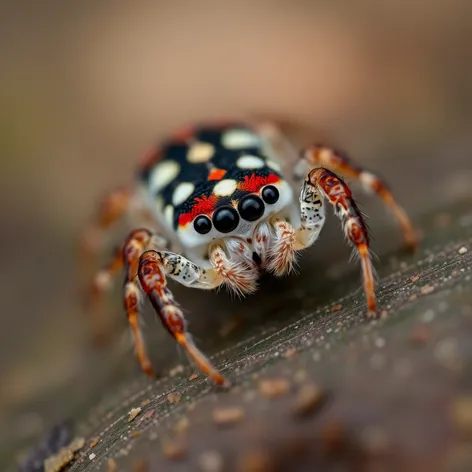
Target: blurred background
<point>86,87</point>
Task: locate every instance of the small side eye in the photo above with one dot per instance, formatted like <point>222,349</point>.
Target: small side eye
<point>270,194</point>
<point>202,224</point>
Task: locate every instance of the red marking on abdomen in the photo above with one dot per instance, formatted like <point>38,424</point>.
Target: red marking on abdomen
<point>204,205</point>
<point>216,174</point>
<point>254,183</point>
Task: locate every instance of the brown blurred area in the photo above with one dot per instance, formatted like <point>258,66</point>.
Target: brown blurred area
<point>86,86</point>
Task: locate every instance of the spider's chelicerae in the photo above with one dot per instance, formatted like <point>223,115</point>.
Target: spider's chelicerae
<point>221,193</point>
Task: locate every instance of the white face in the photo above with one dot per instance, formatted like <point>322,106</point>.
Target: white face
<point>243,215</point>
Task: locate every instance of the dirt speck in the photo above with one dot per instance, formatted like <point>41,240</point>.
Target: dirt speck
<point>228,415</point>
<point>290,352</point>
<point>375,441</point>
<point>174,397</point>
<point>414,278</point>
<point>147,415</point>
<point>133,413</point>
<point>333,437</point>
<point>272,388</point>
<point>112,466</point>
<point>427,289</point>
<point>211,461</point>
<point>174,450</point>
<point>182,425</point>
<point>461,412</point>
<point>194,376</point>
<point>94,442</point>
<point>336,308</point>
<point>309,399</point>
<point>92,456</point>
<point>420,334</point>
<point>462,250</point>
<point>256,461</point>
<point>64,456</point>
<point>178,369</point>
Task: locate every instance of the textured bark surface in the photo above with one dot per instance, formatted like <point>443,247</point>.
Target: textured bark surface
<point>395,392</point>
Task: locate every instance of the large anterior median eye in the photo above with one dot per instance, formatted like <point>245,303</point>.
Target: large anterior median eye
<point>225,219</point>
<point>251,208</point>
<point>270,194</point>
<point>202,224</point>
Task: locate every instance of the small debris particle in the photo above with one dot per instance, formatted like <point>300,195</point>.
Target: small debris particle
<point>420,334</point>
<point>174,450</point>
<point>427,289</point>
<point>64,456</point>
<point>147,415</point>
<point>228,415</point>
<point>412,297</point>
<point>441,220</point>
<point>300,376</point>
<point>210,461</point>
<point>256,461</point>
<point>145,402</point>
<point>309,399</point>
<point>140,466</point>
<point>135,434</point>
<point>375,440</point>
<point>336,308</point>
<point>334,437</point>
<point>133,413</point>
<point>461,411</point>
<point>182,425</point>
<point>193,377</point>
<point>92,456</point>
<point>174,397</point>
<point>414,278</point>
<point>272,388</point>
<point>462,250</point>
<point>380,342</point>
<point>112,466</point>
<point>339,323</point>
<point>94,443</point>
<point>290,352</point>
<point>178,369</point>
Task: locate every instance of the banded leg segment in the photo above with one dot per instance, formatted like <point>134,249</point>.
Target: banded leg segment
<point>327,157</point>
<point>328,185</point>
<point>137,242</point>
<point>153,282</point>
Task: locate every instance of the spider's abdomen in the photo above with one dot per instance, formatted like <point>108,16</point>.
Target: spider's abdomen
<point>204,168</point>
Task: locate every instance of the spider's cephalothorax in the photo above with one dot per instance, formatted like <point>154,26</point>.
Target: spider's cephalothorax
<point>219,192</point>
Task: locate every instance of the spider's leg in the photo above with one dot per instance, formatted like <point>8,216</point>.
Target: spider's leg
<point>112,208</point>
<point>153,266</point>
<point>319,155</point>
<point>137,242</point>
<point>322,183</point>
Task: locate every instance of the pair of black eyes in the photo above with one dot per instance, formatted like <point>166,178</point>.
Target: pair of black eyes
<point>226,219</point>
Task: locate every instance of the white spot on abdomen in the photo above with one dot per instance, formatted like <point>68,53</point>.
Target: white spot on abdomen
<point>162,175</point>
<point>225,187</point>
<point>200,152</point>
<point>250,162</point>
<point>169,215</point>
<point>273,165</point>
<point>182,192</point>
<point>239,139</point>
